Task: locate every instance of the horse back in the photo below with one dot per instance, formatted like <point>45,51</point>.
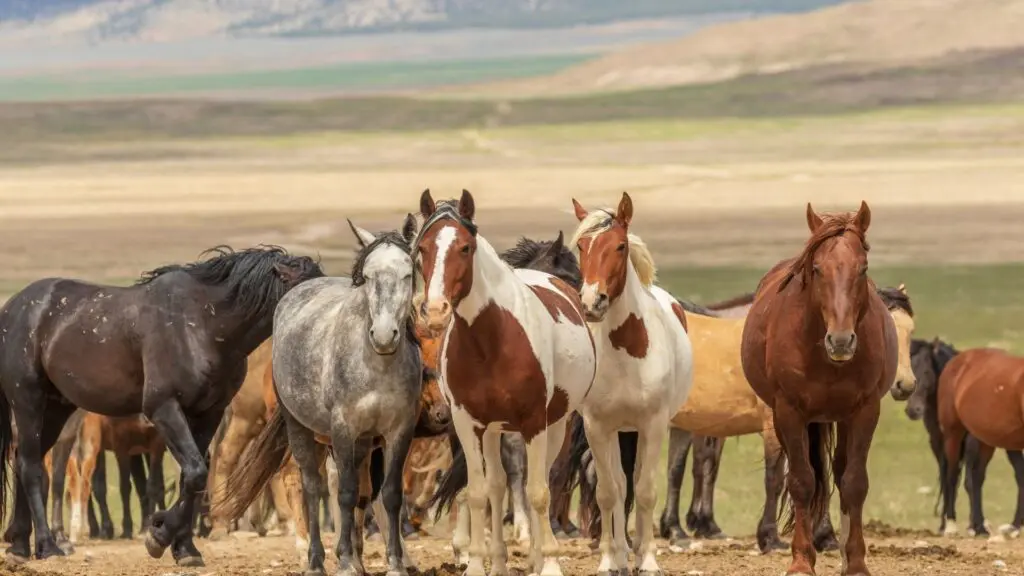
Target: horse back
<point>983,389</point>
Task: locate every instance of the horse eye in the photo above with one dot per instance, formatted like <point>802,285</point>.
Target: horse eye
<point>864,271</point>
<point>621,247</point>
<point>465,249</point>
<point>816,269</point>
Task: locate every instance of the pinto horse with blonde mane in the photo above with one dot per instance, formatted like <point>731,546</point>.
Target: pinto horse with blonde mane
<point>820,349</point>
<point>516,356</point>
<point>645,376</point>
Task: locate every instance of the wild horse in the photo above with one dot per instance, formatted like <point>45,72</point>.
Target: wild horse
<point>347,371</point>
<point>172,347</point>
<point>517,357</point>
<point>820,349</point>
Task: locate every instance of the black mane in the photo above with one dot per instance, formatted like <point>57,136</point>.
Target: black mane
<point>393,238</point>
<point>248,275</point>
<point>896,299</point>
<point>526,252</point>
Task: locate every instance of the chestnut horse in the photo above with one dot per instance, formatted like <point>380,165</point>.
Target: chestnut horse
<point>981,394</point>
<point>517,356</point>
<point>820,349</point>
<point>645,375</point>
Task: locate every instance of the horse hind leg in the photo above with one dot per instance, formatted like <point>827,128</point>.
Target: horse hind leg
<point>669,526</point>
<point>396,450</point>
<point>39,426</point>
<point>99,493</point>
<point>125,473</point>
<point>1012,530</point>
<point>977,457</point>
<point>609,489</point>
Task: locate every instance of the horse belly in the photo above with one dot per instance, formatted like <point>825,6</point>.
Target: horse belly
<point>575,362</point>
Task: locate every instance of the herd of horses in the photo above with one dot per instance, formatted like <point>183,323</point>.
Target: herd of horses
<point>441,374</point>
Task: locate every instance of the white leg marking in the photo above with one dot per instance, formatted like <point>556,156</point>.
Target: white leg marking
<point>648,457</point>
<point>76,520</point>
<point>496,482</point>
<point>844,537</point>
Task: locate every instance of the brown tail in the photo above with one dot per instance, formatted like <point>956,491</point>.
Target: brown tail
<point>262,458</point>
<point>822,439</point>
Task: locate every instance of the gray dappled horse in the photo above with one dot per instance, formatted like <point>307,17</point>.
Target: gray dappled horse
<point>347,372</point>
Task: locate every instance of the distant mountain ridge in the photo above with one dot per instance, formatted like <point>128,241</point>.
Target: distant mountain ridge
<point>163,20</point>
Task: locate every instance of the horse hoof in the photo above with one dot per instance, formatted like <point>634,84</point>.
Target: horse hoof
<point>651,573</point>
<point>16,558</point>
<point>66,547</point>
<point>155,549</point>
<point>48,549</point>
<point>828,544</point>
<point>191,562</point>
<point>317,572</point>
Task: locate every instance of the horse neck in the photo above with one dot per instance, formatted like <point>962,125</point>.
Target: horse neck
<point>242,333</point>
<point>631,301</point>
<point>493,281</point>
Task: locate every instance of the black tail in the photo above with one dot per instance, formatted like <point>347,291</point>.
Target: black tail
<point>6,439</point>
<point>261,459</point>
<point>452,482</point>
<point>822,439</point>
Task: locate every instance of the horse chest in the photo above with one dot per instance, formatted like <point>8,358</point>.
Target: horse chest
<point>492,373</point>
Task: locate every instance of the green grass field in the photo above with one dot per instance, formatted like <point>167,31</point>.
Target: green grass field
<point>967,306</point>
<point>371,76</point>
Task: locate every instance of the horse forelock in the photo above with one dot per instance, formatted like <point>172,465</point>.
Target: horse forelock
<point>600,221</point>
<point>391,238</point>
<point>832,226</point>
<point>445,210</point>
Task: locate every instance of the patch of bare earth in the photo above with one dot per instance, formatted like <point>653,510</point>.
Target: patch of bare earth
<point>277,556</point>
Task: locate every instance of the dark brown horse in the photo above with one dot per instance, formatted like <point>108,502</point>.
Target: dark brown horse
<point>172,347</point>
<point>820,349</point>
<point>981,408</point>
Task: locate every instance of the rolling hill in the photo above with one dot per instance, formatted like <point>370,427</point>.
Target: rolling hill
<point>877,33</point>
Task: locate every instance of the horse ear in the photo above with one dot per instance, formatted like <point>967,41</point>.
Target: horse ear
<point>409,228</point>
<point>902,288</point>
<point>364,237</point>
<point>467,208</point>
<point>863,217</point>
<point>427,206</point>
<point>287,273</point>
<point>555,250</point>
<point>625,212</point>
<point>813,220</point>
<point>581,212</point>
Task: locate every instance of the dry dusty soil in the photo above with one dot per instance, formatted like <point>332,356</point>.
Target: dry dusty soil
<point>247,555</point>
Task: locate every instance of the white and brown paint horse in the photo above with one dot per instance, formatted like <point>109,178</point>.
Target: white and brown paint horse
<point>516,356</point>
<point>645,374</point>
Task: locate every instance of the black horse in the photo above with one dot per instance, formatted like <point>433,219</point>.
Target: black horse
<point>172,347</point>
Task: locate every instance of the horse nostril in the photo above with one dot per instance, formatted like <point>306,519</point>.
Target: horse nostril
<point>828,340</point>
<point>444,307</point>
<point>852,340</point>
<point>394,333</point>
<point>601,298</point>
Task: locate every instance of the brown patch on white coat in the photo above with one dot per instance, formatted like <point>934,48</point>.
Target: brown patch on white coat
<point>517,356</point>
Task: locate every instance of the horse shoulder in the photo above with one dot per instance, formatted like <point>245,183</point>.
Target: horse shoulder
<point>560,301</point>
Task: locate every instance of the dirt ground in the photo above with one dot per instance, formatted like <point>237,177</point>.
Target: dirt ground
<point>244,554</point>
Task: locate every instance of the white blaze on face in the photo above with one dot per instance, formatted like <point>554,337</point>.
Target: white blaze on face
<point>588,295</point>
<point>445,239</point>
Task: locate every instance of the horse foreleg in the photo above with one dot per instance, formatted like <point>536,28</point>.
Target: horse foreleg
<point>350,453</point>
<point>648,455</point>
<point>541,452</point>
<point>774,475</point>
<point>610,493</point>
<point>792,431</point>
<point>396,450</point>
<point>1017,462</point>
<point>978,455</point>
<point>174,527</point>
<point>61,455</point>
<point>679,442</point>
<point>306,455</point>
<point>90,449</point>
<point>850,466</point>
<point>476,490</point>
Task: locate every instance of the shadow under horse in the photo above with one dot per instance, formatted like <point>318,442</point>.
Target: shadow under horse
<point>172,346</point>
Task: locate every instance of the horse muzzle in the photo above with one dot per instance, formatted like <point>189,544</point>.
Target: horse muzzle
<point>902,390</point>
<point>595,304</point>
<point>384,342</point>
<point>840,346</point>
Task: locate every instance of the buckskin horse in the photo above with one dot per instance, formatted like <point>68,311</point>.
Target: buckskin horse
<point>347,371</point>
<point>172,347</point>
<point>820,349</point>
<point>517,356</point>
<point>645,374</point>
<point>981,408</point>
